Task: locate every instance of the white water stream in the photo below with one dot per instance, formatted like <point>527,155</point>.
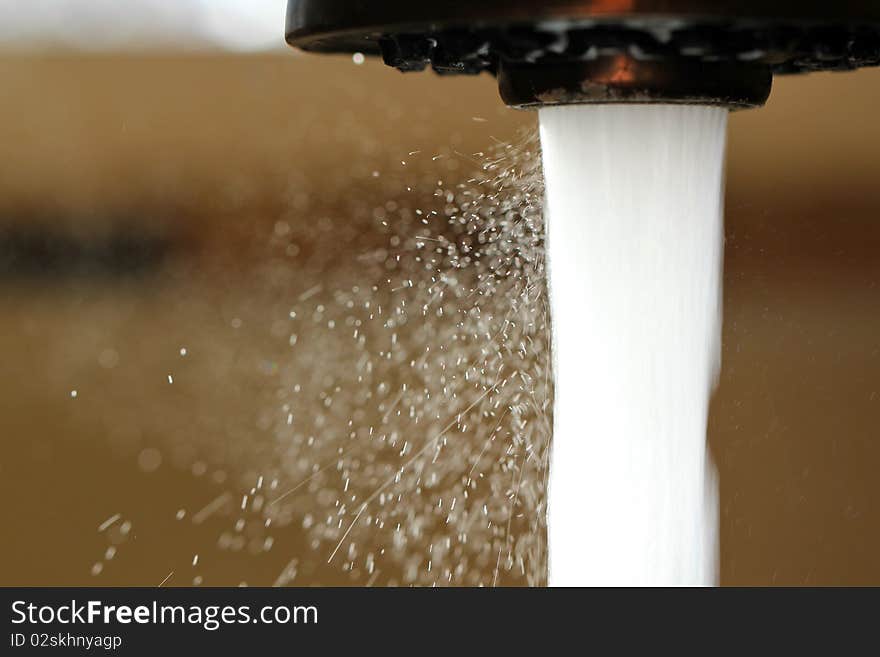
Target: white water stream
<point>634,246</point>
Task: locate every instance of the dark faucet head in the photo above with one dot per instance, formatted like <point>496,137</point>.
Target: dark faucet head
<point>551,52</point>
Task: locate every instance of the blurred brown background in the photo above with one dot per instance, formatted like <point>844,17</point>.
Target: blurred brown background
<point>140,201</point>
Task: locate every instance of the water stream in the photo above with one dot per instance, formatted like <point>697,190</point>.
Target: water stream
<point>634,249</point>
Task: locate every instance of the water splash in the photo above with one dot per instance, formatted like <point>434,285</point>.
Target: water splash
<point>425,463</point>
<point>403,432</point>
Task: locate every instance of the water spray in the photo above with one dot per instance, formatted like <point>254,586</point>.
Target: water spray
<point>633,97</point>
